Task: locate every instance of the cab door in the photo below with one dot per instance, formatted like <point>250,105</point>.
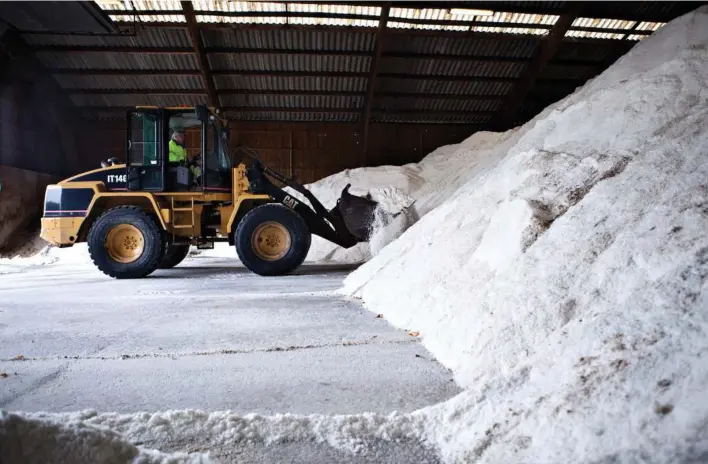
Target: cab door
<point>145,151</point>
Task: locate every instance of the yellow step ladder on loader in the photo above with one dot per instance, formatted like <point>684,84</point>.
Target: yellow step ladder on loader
<point>185,209</point>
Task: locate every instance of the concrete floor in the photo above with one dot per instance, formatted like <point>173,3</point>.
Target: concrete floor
<point>207,335</point>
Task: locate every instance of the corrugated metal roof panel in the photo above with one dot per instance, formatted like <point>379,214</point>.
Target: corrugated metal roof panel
<point>521,18</point>
<point>470,46</point>
<point>341,8</point>
<point>281,7</point>
<point>344,84</point>
<point>238,6</point>
<point>105,60</point>
<point>386,85</point>
<point>608,23</point>
<point>400,15</point>
<point>428,118</point>
<point>241,19</point>
<point>604,23</point>
<point>292,101</point>
<point>450,67</point>
<point>510,30</point>
<point>636,37</point>
<point>119,10</point>
<point>129,82</point>
<point>648,26</point>
<point>422,103</point>
<point>294,117</point>
<point>594,35</point>
<point>289,39</point>
<point>162,18</point>
<point>429,14</point>
<point>350,22</point>
<point>274,62</point>
<point>434,27</point>
<point>287,20</point>
<point>137,100</point>
<point>138,5</point>
<point>145,38</point>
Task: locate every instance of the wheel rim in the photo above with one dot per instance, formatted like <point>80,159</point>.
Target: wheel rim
<point>125,243</point>
<point>270,241</point>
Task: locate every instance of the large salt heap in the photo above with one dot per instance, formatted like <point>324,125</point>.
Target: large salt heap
<point>565,280</point>
<point>408,191</point>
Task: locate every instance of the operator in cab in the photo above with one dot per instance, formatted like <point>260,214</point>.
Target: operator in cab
<point>178,154</point>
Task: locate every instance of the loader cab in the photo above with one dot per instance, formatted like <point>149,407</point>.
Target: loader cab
<point>148,166</point>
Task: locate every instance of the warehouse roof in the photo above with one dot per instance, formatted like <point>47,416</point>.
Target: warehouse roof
<point>488,64</point>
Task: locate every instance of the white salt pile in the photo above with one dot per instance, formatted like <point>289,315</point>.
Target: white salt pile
<point>565,280</point>
<point>24,440</point>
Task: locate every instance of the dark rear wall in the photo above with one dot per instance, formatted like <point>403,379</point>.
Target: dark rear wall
<point>38,124</point>
<point>309,150</point>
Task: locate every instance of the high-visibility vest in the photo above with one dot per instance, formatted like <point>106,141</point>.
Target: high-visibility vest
<point>177,152</point>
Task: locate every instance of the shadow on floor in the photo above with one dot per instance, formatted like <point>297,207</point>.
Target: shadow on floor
<point>316,269</point>
<point>192,272</point>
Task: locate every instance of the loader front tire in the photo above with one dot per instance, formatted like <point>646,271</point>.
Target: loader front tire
<point>272,240</point>
<point>126,243</point>
<point>174,255</point>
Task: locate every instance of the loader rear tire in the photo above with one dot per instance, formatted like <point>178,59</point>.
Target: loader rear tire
<point>272,240</point>
<point>174,255</point>
<point>126,243</point>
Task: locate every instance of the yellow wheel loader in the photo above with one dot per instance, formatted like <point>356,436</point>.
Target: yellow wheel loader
<point>145,213</point>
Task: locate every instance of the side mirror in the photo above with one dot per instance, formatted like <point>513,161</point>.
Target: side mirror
<point>202,113</point>
<point>110,162</point>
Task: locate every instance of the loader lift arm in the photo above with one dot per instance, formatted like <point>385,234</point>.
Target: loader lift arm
<point>329,225</point>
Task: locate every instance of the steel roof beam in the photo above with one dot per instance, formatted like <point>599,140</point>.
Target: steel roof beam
<point>294,93</point>
<point>235,50</point>
<point>163,92</point>
<point>265,73</point>
<point>325,74</point>
<point>114,49</point>
<point>125,72</point>
<point>373,72</point>
<point>446,78</point>
<point>348,16</point>
<point>196,37</point>
<point>252,109</point>
<point>287,93</point>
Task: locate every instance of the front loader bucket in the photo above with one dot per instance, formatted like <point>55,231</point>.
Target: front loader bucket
<point>358,214</point>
